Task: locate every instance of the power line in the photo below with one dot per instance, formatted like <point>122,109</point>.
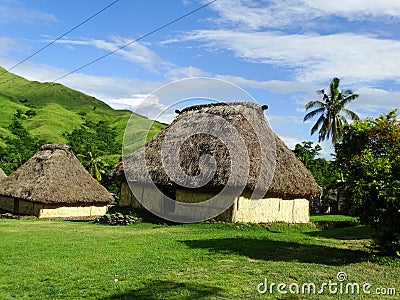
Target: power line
<point>130,43</point>
<point>134,41</point>
<point>60,37</point>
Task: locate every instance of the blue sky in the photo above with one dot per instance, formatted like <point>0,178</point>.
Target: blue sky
<point>280,52</point>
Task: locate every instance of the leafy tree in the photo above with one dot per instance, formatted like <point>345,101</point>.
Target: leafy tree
<point>94,163</point>
<point>19,147</point>
<point>90,136</point>
<point>95,146</point>
<point>324,171</point>
<point>331,110</point>
<point>17,129</point>
<point>307,153</point>
<point>369,156</point>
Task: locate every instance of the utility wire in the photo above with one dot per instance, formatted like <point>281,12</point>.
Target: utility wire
<point>134,41</point>
<point>128,44</point>
<point>60,37</point>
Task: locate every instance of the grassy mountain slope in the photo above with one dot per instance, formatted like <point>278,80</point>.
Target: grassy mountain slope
<point>60,109</point>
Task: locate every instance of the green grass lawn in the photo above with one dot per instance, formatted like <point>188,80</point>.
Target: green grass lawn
<point>81,260</point>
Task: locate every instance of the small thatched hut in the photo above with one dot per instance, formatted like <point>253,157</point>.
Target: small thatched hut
<point>284,186</point>
<point>2,174</point>
<point>53,184</point>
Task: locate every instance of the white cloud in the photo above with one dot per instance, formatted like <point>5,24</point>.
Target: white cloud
<point>357,9</point>
<point>32,71</point>
<point>135,52</point>
<point>147,105</point>
<point>327,149</point>
<point>258,14</point>
<point>301,110</point>
<point>275,86</point>
<point>138,53</point>
<point>276,120</point>
<point>151,107</point>
<point>313,57</point>
<point>24,15</point>
<point>8,44</point>
<point>177,73</point>
<point>277,14</point>
<point>110,88</point>
<point>130,103</point>
<point>290,141</point>
<point>372,99</point>
<point>169,41</point>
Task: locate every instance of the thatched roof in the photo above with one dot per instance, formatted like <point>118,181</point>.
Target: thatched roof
<point>290,179</point>
<point>2,174</point>
<point>54,175</point>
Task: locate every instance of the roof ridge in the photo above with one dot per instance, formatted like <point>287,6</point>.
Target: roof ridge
<point>53,147</point>
<point>201,106</point>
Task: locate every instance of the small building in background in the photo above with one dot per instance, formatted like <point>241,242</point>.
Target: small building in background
<point>53,184</point>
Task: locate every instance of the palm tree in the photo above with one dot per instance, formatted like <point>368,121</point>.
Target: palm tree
<point>331,111</point>
<point>94,163</point>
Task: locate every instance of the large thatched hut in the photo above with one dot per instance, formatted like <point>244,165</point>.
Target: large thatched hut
<point>53,184</point>
<point>282,185</point>
<point>2,174</point>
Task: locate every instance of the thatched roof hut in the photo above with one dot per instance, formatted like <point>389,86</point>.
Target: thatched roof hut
<point>52,179</point>
<point>2,174</point>
<point>284,177</point>
<point>291,178</point>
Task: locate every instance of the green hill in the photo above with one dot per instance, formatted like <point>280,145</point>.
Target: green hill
<point>50,109</point>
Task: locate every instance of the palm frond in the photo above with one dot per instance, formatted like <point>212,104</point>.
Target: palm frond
<point>318,124</point>
<point>351,114</point>
<point>314,103</point>
<point>313,113</point>
<point>347,92</point>
<point>334,87</point>
<point>323,133</point>
<point>349,98</point>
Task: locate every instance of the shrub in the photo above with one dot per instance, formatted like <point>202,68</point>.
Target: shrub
<point>369,156</point>
<point>30,113</point>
